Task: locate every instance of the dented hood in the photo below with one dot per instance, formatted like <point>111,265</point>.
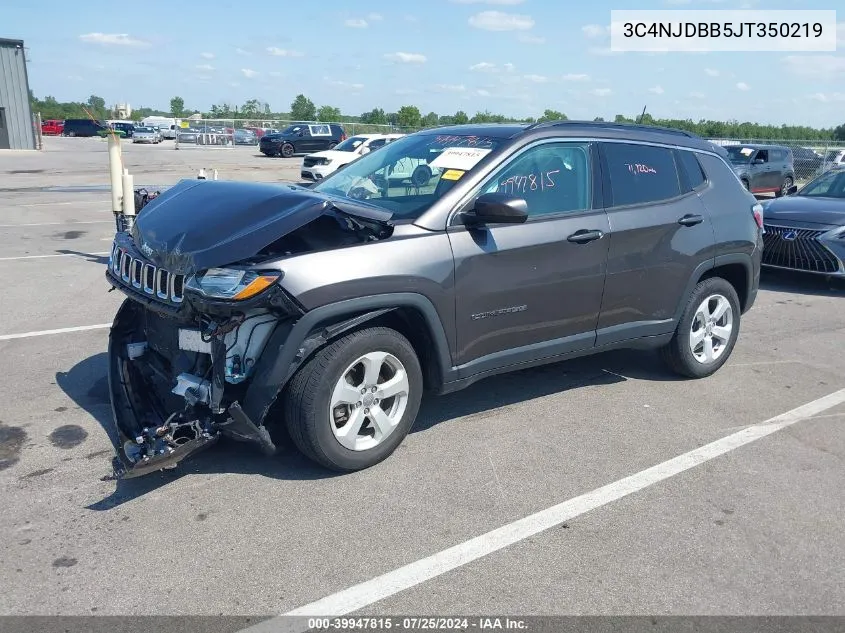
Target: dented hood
<point>200,224</point>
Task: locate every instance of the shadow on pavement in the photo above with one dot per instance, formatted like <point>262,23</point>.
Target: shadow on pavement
<point>801,283</point>
<point>87,384</point>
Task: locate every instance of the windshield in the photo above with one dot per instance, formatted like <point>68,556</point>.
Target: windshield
<point>831,185</point>
<point>739,154</point>
<point>350,144</point>
<point>407,176</point>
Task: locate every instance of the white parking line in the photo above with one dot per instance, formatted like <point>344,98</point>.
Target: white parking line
<point>10,259</point>
<point>393,582</point>
<point>11,226</point>
<point>64,330</point>
<point>104,201</point>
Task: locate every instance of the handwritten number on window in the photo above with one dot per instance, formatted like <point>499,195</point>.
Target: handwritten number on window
<point>639,168</point>
<point>529,182</point>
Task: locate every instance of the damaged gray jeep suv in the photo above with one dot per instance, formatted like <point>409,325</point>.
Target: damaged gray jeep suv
<point>255,308</point>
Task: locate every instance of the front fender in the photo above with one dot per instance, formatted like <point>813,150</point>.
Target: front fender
<point>291,344</point>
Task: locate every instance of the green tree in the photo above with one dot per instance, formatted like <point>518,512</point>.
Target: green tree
<point>328,114</point>
<point>599,119</point>
<point>552,115</point>
<point>376,116</point>
<point>839,133</point>
<point>303,109</point>
<point>408,116</point>
<point>177,106</point>
<point>430,120</point>
<point>460,118</point>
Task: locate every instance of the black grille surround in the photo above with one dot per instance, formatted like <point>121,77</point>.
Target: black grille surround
<point>133,272</point>
<point>797,249</point>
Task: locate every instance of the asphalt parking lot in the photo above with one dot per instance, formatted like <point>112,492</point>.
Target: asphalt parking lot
<point>754,529</point>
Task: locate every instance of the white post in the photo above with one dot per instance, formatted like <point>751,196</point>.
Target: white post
<point>128,182</point>
<point>115,170</point>
<point>215,174</point>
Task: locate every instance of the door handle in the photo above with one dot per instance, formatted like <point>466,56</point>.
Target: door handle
<point>583,236</point>
<point>691,220</point>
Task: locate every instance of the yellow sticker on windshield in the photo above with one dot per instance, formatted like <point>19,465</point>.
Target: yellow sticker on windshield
<point>452,174</point>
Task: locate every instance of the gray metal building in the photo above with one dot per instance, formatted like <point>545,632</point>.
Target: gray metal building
<point>16,125</point>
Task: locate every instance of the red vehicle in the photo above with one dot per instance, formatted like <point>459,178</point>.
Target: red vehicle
<point>52,127</point>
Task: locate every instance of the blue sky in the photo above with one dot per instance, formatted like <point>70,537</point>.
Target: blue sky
<point>515,57</point>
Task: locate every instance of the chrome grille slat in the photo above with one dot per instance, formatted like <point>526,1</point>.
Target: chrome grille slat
<point>805,252</point>
<point>146,277</point>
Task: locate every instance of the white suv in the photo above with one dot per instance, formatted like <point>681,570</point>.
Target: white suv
<point>320,164</point>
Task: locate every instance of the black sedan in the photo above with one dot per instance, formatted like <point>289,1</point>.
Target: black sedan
<point>805,231</point>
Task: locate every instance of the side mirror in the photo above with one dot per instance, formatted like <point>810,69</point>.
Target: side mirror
<point>758,161</point>
<point>792,190</point>
<point>497,208</point>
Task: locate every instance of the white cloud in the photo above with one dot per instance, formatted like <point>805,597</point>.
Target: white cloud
<point>815,65</point>
<point>356,23</point>
<point>450,87</point>
<point>205,67</point>
<point>482,93</point>
<point>601,92</point>
<point>375,17</point>
<point>697,95</point>
<point>509,67</point>
<point>741,85</point>
<point>840,34</point>
<point>275,73</point>
<point>484,67</point>
<point>234,84</point>
<point>281,52</point>
<point>344,84</point>
<point>527,38</point>
<point>249,73</point>
<point>658,90</point>
<point>405,91</point>
<point>406,58</point>
<point>712,72</point>
<point>411,18</point>
<point>537,79</point>
<point>207,55</point>
<point>112,39</point>
<point>595,30</point>
<point>499,21</point>
<point>74,78</point>
<point>576,77</point>
<point>241,51</point>
<point>828,98</point>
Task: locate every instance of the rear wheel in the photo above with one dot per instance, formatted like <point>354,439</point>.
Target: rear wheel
<point>784,188</point>
<point>287,150</point>
<point>351,405</point>
<point>707,331</point>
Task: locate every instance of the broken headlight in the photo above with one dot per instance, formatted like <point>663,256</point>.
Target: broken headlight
<point>229,283</point>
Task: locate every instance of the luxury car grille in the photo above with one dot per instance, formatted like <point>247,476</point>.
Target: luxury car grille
<point>146,278</point>
<point>798,249</point>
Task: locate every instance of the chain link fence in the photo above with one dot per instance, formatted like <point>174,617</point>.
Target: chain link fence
<point>810,157</point>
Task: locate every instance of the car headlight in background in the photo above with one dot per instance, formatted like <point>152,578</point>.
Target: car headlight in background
<point>228,283</point>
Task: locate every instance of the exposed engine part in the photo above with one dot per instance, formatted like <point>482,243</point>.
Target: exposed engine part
<point>245,343</point>
<point>136,350</point>
<point>194,389</point>
<point>159,448</point>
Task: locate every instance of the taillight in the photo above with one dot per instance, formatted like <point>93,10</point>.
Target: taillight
<point>757,211</point>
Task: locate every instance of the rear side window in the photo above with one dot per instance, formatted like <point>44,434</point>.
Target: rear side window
<point>640,174</point>
<point>692,171</point>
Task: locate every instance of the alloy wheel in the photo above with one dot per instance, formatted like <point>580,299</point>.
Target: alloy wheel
<point>711,329</point>
<point>368,401</point>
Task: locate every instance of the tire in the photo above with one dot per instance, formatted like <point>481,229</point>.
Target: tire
<point>71,134</point>
<point>332,145</point>
<point>421,175</point>
<point>311,417</point>
<point>288,150</point>
<point>678,353</point>
<point>787,183</point>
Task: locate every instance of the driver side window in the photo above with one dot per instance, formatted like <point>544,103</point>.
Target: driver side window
<point>761,155</point>
<point>551,177</point>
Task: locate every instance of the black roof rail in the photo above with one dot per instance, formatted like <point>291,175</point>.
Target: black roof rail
<point>613,125</point>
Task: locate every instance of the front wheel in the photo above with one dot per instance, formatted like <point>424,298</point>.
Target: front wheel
<point>287,150</point>
<point>707,331</point>
<point>353,402</point>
